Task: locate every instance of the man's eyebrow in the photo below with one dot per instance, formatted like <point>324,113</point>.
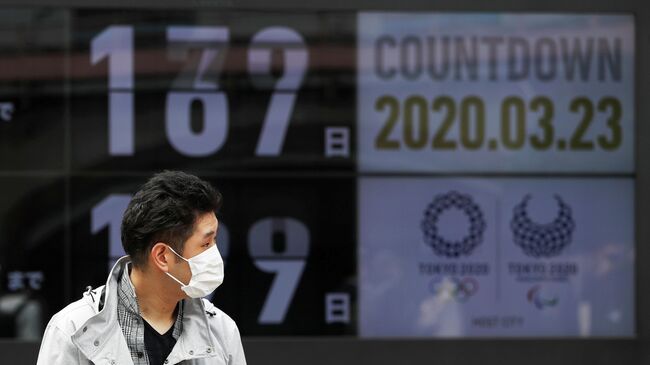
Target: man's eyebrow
<point>208,234</point>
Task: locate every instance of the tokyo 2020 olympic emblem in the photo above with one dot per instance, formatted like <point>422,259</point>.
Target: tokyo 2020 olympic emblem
<point>542,240</point>
<point>448,248</point>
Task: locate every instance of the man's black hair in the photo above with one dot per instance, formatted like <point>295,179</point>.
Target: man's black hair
<point>165,210</point>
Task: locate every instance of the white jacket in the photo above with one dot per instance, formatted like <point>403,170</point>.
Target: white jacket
<point>86,331</point>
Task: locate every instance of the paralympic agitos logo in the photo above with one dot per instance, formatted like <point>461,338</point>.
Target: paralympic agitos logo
<point>542,240</point>
<point>535,297</point>
<point>442,203</point>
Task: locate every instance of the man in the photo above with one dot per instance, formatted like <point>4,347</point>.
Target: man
<point>150,311</point>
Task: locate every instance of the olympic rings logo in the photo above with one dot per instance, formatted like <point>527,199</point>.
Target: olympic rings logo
<point>459,289</point>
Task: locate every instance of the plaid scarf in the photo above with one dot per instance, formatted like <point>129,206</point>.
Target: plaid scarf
<point>130,320</point>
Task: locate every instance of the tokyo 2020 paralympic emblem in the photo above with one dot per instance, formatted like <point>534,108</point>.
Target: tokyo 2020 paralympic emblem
<point>448,248</point>
<point>542,240</point>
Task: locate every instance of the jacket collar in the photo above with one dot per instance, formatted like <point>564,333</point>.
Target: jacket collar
<point>101,336</point>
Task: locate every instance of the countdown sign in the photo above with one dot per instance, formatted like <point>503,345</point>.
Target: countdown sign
<point>495,93</point>
<point>288,114</point>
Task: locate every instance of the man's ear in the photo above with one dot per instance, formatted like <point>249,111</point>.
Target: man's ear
<point>160,256</point>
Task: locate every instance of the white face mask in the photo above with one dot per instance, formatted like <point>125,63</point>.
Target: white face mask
<point>207,273</point>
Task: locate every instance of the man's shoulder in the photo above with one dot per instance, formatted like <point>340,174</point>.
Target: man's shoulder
<point>75,314</point>
<point>216,315</point>
<point>223,328</point>
<point>218,319</point>
<point>226,333</point>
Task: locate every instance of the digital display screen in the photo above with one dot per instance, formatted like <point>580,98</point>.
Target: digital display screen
<point>508,94</point>
<point>283,258</point>
<point>342,142</point>
<point>495,93</point>
<point>236,92</point>
<point>496,257</point>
